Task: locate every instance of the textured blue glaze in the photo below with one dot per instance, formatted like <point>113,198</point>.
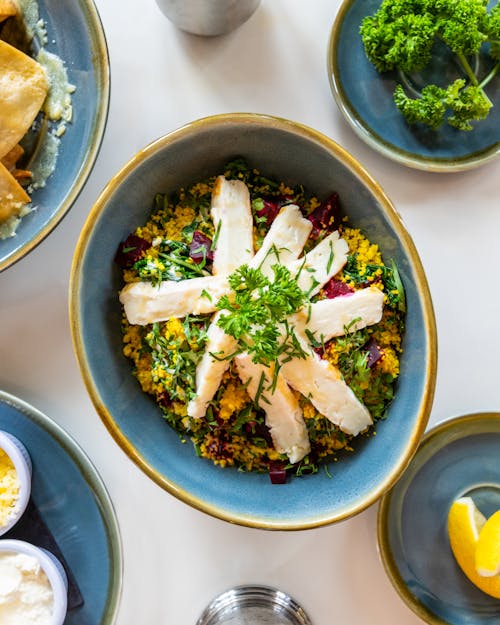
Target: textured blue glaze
<point>73,503</point>
<point>134,419</point>
<point>74,34</point>
<point>365,97</point>
<point>459,458</point>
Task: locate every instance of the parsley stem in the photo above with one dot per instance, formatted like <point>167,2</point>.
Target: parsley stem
<point>467,68</point>
<point>493,72</point>
<point>182,263</point>
<point>216,237</point>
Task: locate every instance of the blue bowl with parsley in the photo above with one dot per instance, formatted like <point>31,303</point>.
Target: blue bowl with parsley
<point>364,90</point>
<point>301,157</point>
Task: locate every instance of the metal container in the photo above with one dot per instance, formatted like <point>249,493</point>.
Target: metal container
<point>253,605</point>
<point>208,17</point>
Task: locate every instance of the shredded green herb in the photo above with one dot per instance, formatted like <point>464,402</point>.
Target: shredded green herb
<point>177,358</point>
<point>393,286</point>
<point>172,262</point>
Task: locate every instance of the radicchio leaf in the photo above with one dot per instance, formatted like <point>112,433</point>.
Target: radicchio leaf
<point>327,216</point>
<point>268,208</point>
<point>200,247</point>
<point>277,473</point>
<point>336,288</point>
<point>131,250</point>
<point>374,353</point>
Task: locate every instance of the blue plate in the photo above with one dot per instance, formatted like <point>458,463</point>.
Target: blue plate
<point>457,458</point>
<point>365,97</point>
<point>76,508</point>
<point>75,34</point>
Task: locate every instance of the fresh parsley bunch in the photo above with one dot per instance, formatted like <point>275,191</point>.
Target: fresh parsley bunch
<point>401,36</point>
<point>256,308</point>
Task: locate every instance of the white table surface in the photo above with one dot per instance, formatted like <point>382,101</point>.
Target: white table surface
<point>177,558</point>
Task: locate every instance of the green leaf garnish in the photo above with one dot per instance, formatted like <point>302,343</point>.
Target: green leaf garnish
<point>256,311</point>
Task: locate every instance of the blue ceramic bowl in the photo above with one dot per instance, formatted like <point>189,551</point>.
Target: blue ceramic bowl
<point>365,98</point>
<point>457,458</point>
<point>75,34</point>
<point>295,154</point>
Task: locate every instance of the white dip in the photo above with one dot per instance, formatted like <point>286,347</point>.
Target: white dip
<point>26,596</point>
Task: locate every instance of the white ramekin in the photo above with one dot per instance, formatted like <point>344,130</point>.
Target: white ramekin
<point>53,570</point>
<point>22,463</point>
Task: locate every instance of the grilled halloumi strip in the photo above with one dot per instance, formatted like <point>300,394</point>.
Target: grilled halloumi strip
<point>284,241</point>
<point>321,263</point>
<point>322,384</point>
<point>211,368</point>
<point>146,303</point>
<point>328,318</point>
<point>232,216</point>
<point>325,319</point>
<point>233,222</point>
<point>283,414</point>
<point>283,244</point>
<point>290,229</point>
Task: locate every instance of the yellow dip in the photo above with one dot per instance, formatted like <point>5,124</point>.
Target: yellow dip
<point>9,488</point>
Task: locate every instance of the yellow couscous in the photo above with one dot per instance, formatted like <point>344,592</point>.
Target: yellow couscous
<point>165,355</point>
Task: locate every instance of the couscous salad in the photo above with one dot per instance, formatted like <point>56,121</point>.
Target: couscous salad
<point>267,329</point>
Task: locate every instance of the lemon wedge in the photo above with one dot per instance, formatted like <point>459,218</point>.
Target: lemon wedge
<point>487,558</point>
<point>465,526</point>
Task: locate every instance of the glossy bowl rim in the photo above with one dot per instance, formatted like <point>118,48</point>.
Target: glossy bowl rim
<point>305,132</point>
<point>15,449</point>
<point>363,131</point>
<point>101,55</point>
<point>385,553</point>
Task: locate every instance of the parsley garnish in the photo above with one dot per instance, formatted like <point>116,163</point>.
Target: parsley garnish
<point>256,310</point>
